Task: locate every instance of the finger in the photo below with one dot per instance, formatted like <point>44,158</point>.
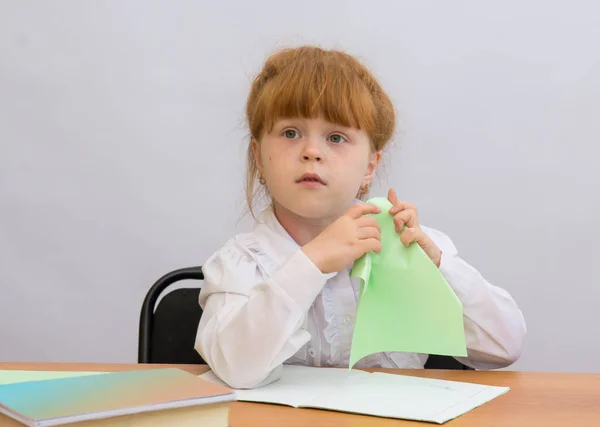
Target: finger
<point>394,201</point>
<point>371,245</point>
<point>410,235</point>
<point>407,218</point>
<point>368,221</point>
<point>369,233</point>
<point>361,209</point>
<point>392,196</point>
<point>400,206</point>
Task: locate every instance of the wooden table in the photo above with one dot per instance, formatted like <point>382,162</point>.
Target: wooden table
<point>535,399</point>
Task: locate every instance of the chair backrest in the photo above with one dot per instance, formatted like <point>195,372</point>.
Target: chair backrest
<point>168,331</point>
<point>435,361</point>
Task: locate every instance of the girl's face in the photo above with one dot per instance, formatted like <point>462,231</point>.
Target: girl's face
<point>314,168</point>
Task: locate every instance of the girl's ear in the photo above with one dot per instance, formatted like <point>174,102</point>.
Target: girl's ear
<point>372,167</point>
<point>257,159</point>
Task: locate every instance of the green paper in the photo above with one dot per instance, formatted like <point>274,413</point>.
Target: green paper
<point>15,376</point>
<point>405,304</point>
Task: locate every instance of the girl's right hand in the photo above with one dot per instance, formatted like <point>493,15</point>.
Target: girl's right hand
<point>346,239</point>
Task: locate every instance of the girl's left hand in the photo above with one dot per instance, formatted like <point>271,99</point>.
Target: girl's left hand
<point>405,214</point>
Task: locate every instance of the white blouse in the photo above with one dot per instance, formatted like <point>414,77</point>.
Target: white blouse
<point>265,304</point>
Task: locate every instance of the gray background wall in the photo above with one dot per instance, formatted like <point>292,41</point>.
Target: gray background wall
<point>122,152</point>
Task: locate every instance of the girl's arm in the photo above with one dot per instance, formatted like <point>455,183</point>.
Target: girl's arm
<point>250,326</point>
<point>494,325</point>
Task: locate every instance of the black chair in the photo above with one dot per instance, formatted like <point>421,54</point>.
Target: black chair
<point>167,332</point>
<point>435,361</point>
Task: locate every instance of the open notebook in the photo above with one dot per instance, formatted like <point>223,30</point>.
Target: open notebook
<point>378,394</point>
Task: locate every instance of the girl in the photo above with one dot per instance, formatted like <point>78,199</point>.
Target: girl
<point>282,293</point>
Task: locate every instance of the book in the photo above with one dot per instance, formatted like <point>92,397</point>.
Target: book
<point>377,394</point>
<point>154,397</point>
<point>18,376</point>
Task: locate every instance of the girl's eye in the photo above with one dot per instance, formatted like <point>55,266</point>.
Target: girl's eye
<point>337,138</point>
<point>291,134</point>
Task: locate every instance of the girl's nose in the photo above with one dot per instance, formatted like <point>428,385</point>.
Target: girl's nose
<point>312,151</point>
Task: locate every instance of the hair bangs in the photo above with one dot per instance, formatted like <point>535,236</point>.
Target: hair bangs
<point>309,89</point>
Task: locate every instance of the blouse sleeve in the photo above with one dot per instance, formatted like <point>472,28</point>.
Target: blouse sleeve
<point>251,324</point>
<point>494,325</point>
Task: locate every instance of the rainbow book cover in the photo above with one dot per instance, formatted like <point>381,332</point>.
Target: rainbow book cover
<point>70,400</point>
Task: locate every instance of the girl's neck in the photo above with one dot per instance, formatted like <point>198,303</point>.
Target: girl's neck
<point>301,229</point>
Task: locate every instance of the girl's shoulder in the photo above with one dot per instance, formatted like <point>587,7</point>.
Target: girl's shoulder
<point>231,268</point>
<point>237,265</point>
<point>239,251</point>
